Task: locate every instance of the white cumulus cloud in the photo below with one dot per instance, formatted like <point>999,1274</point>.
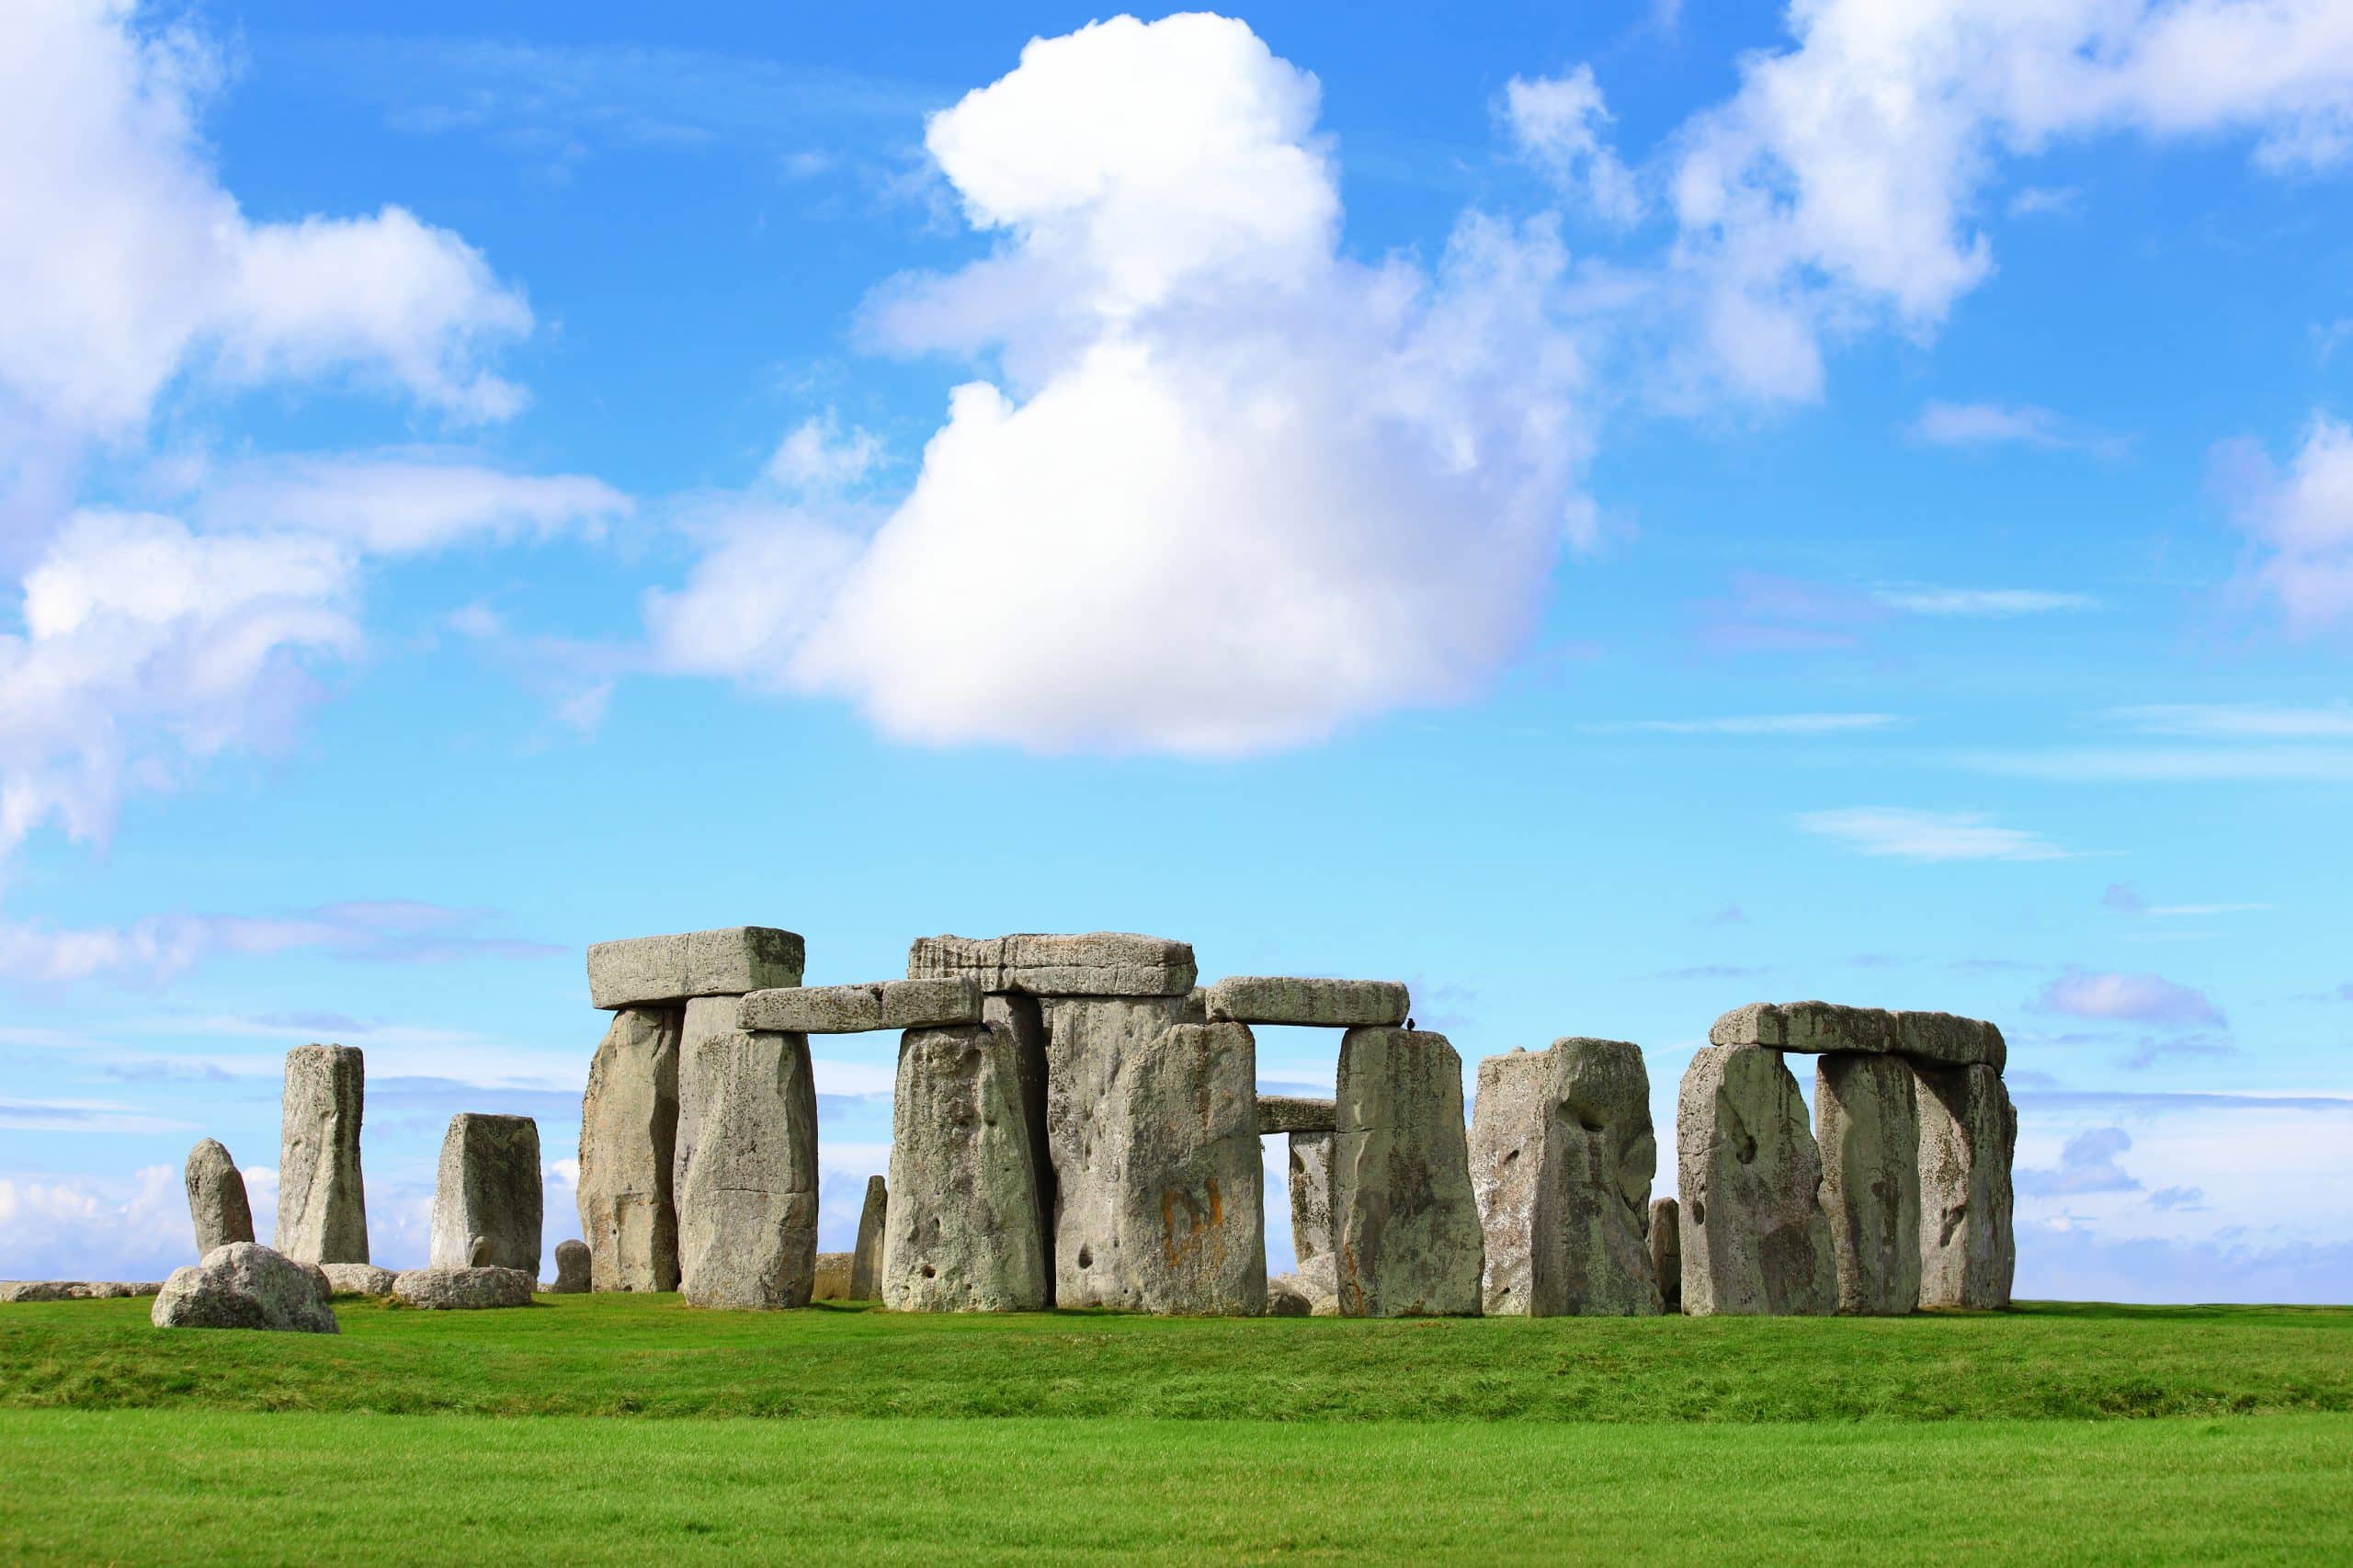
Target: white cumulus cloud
<point>2301,520</point>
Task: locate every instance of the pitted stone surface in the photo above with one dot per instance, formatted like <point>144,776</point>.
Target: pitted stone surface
<point>747,1191</point>
<point>1969,1133</point>
<point>704,1020</point>
<point>216,1197</point>
<point>1562,1158</point>
<point>75,1289</point>
<point>865,1258</point>
<point>1094,964</point>
<point>463,1289</point>
<point>245,1286</point>
<point>629,1136</point>
<point>1294,1113</point>
<point>1755,1240</point>
<point>1329,1004</point>
<point>1405,1224</point>
<point>1311,1196</point>
<point>728,962</point>
<point>574,1270</point>
<point>357,1278</point>
<point>1666,1254</point>
<point>854,1010</point>
<point>488,1189</point>
<point>1867,1124</point>
<point>964,1228</point>
<point>832,1278</point>
<point>1948,1040</point>
<point>322,1207</point>
<point>1809,1027</point>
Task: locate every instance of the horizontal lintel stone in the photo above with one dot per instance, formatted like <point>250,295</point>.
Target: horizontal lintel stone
<point>1330,1003</point>
<point>1815,1027</point>
<point>1295,1113</point>
<point>729,961</point>
<point>1093,963</point>
<point>853,1009</point>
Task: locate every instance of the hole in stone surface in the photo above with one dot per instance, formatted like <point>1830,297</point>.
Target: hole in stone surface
<point>1085,1256</point>
<point>1589,1126</point>
<point>1698,1212</point>
<point>1510,1156</point>
<point>929,1272</point>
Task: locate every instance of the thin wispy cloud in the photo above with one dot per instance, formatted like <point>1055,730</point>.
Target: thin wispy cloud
<point>2195,742</point>
<point>1982,604</point>
<point>1993,424</point>
<point>2237,722</point>
<point>1752,724</point>
<point>2123,899</point>
<point>1901,833</point>
<point>2135,998</point>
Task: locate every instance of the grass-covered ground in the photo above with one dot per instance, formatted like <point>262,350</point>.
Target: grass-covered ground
<point>2075,1432</point>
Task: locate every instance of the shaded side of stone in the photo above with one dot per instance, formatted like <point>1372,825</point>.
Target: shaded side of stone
<point>1310,1196</point>
<point>573,1268</point>
<point>831,1281</point>
<point>1294,1113</point>
<point>1867,1124</point>
<point>216,1197</point>
<point>1327,1003</point>
<point>865,1258</point>
<point>1666,1253</point>
<point>487,1195</point>
<point>629,1134</point>
<point>1948,1040</point>
<point>1809,1026</point>
<point>963,1228</point>
<point>1754,1236</point>
<point>1969,1133</point>
<point>322,1205</point>
<point>1404,1224</point>
<point>747,1193</point>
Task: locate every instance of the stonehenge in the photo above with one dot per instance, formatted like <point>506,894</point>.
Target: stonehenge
<point>746,1182</point>
<point>1666,1253</point>
<point>486,1199</point>
<point>572,1269</point>
<point>1405,1235</point>
<point>357,1278</point>
<point>962,1231</point>
<point>216,1197</point>
<point>322,1209</point>
<point>1755,1240</point>
<point>1969,1131</point>
<point>1867,1123</point>
<point>865,1258</point>
<point>243,1285</point>
<point>628,1130</point>
<point>463,1289</point>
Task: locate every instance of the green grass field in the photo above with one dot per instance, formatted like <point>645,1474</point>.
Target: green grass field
<point>610,1428</point>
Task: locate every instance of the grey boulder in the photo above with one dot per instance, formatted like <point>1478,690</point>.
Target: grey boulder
<point>243,1285</point>
<point>1190,1223</point>
<point>1310,1171</point>
<point>463,1289</point>
<point>832,1278</point>
<point>357,1278</point>
<point>216,1197</point>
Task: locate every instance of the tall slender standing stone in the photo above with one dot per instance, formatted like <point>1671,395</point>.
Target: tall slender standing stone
<point>487,1196</point>
<point>748,1185</point>
<point>963,1231</point>
<point>1405,1224</point>
<point>1310,1196</point>
<point>322,1208</point>
<point>1666,1253</point>
<point>1755,1240</point>
<point>866,1259</point>
<point>1867,1123</point>
<point>629,1132</point>
<point>1969,1133</point>
<point>1562,1156</point>
<point>216,1197</point>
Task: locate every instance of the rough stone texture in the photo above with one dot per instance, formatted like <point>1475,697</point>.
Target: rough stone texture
<point>488,1189</point>
<point>1329,1004</point>
<point>216,1197</point>
<point>1314,1282</point>
<point>865,1258</point>
<point>853,1009</point>
<point>1095,963</point>
<point>1287,1298</point>
<point>1562,1158</point>
<point>629,1134</point>
<point>463,1289</point>
<point>1969,1133</point>
<point>963,1226</point>
<point>322,1208</point>
<point>1293,1113</point>
<point>1806,1027</point>
<point>1310,1196</point>
<point>1948,1040</point>
<point>74,1290</point>
<point>574,1267</point>
<point>1666,1254</point>
<point>1867,1124</point>
<point>831,1281</point>
<point>747,1192</point>
<point>725,962</point>
<point>245,1286</point>
<point>1753,1238</point>
<point>1405,1224</point>
<point>704,1019</point>
<point>357,1278</point>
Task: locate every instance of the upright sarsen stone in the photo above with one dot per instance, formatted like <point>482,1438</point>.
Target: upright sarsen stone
<point>1666,1253</point>
<point>216,1197</point>
<point>964,1227</point>
<point>1867,1123</point>
<point>629,1132</point>
<point>487,1199</point>
<point>748,1185</point>
<point>1311,1195</point>
<point>1969,1133</point>
<point>865,1258</point>
<point>322,1208</point>
<point>1405,1224</point>
<point>1755,1240</point>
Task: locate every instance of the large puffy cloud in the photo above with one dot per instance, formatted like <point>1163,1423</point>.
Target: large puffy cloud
<point>1233,487</point>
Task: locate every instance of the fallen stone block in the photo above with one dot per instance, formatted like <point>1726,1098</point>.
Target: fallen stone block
<point>1947,1039</point>
<point>1867,1124</point>
<point>357,1278</point>
<point>1095,963</point>
<point>1189,1224</point>
<point>1310,1170</point>
<point>1755,1239</point>
<point>964,1230</point>
<point>747,1192</point>
<point>573,1268</point>
<point>729,961</point>
<point>243,1285</point>
<point>463,1289</point>
<point>1327,1003</point>
<point>1969,1134</point>
<point>75,1289</point>
<point>216,1197</point>
<point>1286,1299</point>
<point>1294,1113</point>
<point>1404,1224</point>
<point>321,1204</point>
<point>854,1010</point>
<point>865,1258</point>
<point>1313,1283</point>
<point>832,1278</point>
<point>1666,1254</point>
<point>488,1189</point>
<point>629,1136</point>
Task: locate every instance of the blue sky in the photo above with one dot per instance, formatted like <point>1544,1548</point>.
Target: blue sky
<point>1602,513</point>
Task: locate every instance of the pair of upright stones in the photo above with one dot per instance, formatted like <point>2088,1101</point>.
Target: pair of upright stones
<point>1899,1197</point>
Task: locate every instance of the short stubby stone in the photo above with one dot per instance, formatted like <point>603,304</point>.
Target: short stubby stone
<point>1947,1039</point>
<point>865,1258</point>
<point>831,1281</point>
<point>747,1191</point>
<point>1405,1224</point>
<point>629,1134</point>
<point>1315,1282</point>
<point>216,1197</point>
<point>854,1010</point>
<point>322,1205</point>
<point>1666,1254</point>
<point>246,1286</point>
<point>1094,964</point>
<point>1867,1124</point>
<point>1286,1297</point>
<point>1188,1235</point>
<point>1294,1113</point>
<point>77,1289</point>
<point>1310,1170</point>
<point>1326,1003</point>
<point>1562,1158</point>
<point>463,1289</point>
<point>727,962</point>
<point>1969,1134</point>
<point>357,1278</point>
<point>488,1186</point>
<point>573,1268</point>
<point>964,1227</point>
<point>1806,1027</point>
<point>1754,1236</point>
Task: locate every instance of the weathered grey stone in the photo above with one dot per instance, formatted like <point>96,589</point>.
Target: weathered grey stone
<point>852,1009</point>
<point>629,1134</point>
<point>1809,1027</point>
<point>1666,1254</point>
<point>216,1197</point>
<point>703,1020</point>
<point>75,1289</point>
<point>245,1286</point>
<point>1316,1280</point>
<point>831,1280</point>
<point>463,1289</point>
<point>1405,1224</point>
<point>1969,1133</point>
<point>357,1278</point>
<point>114,1289</point>
<point>747,1193</point>
<point>865,1258</point>
<point>1329,1004</point>
<point>574,1267</point>
<point>1286,1297</point>
<point>1948,1040</point>
<point>322,1207</point>
<point>1867,1124</point>
<point>1293,1113</point>
<point>1755,1240</point>
<point>1310,1196</point>
<point>1095,963</point>
<point>725,962</point>
<point>488,1199</point>
<point>963,1226</point>
<point>1562,1158</point>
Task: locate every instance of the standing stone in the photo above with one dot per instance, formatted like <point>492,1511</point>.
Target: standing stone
<point>1310,1196</point>
<point>1969,1133</point>
<point>1867,1123</point>
<point>705,1021</point>
<point>629,1132</point>
<point>1666,1254</point>
<point>963,1226</point>
<point>216,1197</point>
<point>865,1258</point>
<point>573,1268</point>
<point>1562,1156</point>
<point>1405,1224</point>
<point>1755,1240</point>
<point>747,1189</point>
<point>487,1200</point>
<point>322,1209</point>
